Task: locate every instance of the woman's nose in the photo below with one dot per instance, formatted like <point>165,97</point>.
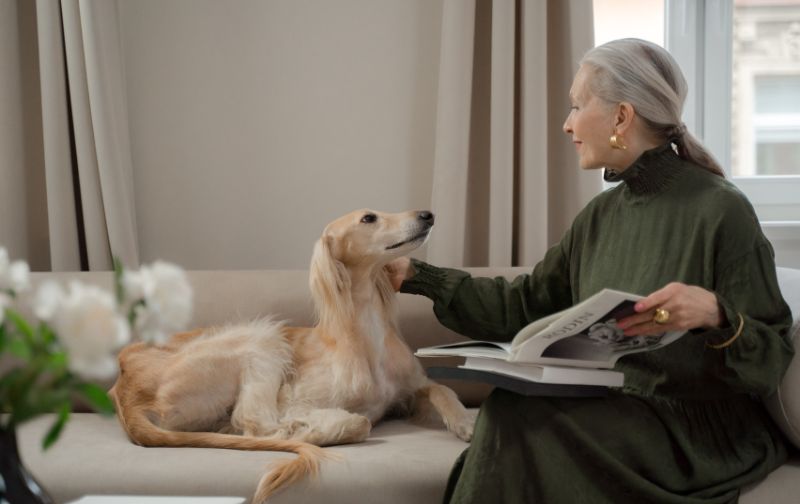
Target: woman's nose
<point>566,127</point>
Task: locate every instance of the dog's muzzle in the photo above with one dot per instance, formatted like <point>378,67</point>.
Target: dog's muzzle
<point>425,221</point>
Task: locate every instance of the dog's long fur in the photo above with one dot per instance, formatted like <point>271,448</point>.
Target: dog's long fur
<point>265,386</point>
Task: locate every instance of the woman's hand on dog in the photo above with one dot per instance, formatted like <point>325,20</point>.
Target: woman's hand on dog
<point>399,270</point>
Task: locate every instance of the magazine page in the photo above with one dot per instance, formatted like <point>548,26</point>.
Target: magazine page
<point>587,335</point>
<point>474,348</point>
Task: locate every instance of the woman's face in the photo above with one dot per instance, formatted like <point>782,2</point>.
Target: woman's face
<point>590,123</point>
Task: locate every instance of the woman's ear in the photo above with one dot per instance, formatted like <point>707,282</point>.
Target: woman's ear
<point>623,117</point>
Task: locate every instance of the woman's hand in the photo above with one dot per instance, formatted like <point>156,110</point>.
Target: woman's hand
<point>689,307</point>
<point>399,270</point>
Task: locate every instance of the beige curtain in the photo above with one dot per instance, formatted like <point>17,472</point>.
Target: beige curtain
<point>506,182</point>
<point>87,156</point>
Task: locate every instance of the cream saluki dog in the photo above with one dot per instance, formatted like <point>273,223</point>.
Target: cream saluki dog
<point>265,386</point>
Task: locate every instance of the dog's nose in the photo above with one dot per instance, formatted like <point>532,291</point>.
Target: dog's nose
<point>426,216</point>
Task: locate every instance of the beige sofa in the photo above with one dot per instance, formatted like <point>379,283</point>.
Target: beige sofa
<point>400,463</point>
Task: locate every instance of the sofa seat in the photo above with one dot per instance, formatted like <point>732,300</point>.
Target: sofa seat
<point>780,486</point>
<point>399,464</point>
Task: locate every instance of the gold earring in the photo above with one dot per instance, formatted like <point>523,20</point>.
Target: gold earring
<point>616,142</point>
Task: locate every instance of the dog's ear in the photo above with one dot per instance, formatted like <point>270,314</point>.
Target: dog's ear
<point>329,280</point>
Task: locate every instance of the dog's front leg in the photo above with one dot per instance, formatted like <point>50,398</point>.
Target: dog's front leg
<point>455,416</point>
<point>256,410</point>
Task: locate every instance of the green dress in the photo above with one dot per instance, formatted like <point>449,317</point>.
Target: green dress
<point>688,426</point>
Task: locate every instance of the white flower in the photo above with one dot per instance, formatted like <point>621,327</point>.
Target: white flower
<point>167,300</point>
<point>87,324</point>
<point>14,276</point>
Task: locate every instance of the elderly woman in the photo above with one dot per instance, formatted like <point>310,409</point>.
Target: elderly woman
<point>688,425</point>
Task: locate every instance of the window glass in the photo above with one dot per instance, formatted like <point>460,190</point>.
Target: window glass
<point>765,122</point>
<point>615,19</point>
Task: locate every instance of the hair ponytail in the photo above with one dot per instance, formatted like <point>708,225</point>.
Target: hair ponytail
<point>690,149</point>
<point>648,77</point>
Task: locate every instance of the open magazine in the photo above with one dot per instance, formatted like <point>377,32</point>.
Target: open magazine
<point>578,345</point>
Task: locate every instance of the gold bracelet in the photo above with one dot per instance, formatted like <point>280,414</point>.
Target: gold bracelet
<point>732,338</point>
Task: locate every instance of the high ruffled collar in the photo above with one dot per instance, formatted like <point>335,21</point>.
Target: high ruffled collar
<point>651,173</point>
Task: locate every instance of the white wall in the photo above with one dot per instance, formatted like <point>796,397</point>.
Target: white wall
<point>254,123</point>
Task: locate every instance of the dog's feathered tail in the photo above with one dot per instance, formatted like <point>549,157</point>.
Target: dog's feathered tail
<point>142,431</point>
<point>286,472</point>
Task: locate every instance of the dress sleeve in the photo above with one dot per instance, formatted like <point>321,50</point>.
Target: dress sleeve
<point>757,359</point>
<point>494,308</point>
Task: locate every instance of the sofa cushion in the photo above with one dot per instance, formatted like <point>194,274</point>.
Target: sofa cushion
<point>400,463</point>
<point>784,404</point>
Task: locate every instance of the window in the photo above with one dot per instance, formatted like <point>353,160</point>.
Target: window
<point>775,128</point>
<point>766,88</point>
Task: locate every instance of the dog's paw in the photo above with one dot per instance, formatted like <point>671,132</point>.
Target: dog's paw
<point>357,429</point>
<point>464,431</point>
<point>463,428</point>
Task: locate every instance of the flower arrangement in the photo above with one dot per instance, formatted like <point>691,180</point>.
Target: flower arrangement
<point>72,339</point>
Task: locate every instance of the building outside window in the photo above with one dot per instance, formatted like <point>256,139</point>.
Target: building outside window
<point>766,88</point>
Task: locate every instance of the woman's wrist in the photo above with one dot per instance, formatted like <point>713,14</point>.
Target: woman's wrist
<point>422,278</point>
<point>717,345</point>
<point>730,328</point>
<point>722,321</point>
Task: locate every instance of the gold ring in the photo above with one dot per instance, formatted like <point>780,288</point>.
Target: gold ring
<point>661,316</point>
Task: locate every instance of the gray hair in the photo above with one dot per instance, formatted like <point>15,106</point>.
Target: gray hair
<point>648,77</point>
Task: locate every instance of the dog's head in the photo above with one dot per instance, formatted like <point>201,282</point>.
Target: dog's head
<point>362,242</point>
<point>369,238</point>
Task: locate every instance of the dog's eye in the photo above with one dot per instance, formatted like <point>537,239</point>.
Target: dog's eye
<point>369,218</point>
